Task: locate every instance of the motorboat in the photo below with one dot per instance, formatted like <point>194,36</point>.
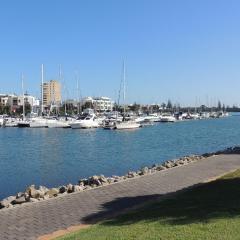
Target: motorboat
<point>168,118</point>
<point>1,121</point>
<point>23,124</point>
<point>88,121</point>
<point>55,123</point>
<point>131,124</point>
<point>38,122</point>
<point>152,118</point>
<point>10,122</point>
<point>108,124</point>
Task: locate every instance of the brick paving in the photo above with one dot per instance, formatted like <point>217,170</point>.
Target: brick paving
<point>32,220</point>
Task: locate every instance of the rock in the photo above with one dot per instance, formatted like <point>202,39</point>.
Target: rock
<point>154,166</point>
<point>46,197</point>
<point>161,167</point>
<point>43,190</point>
<point>103,179</point>
<point>110,180</point>
<point>83,182</point>
<point>131,174</point>
<point>19,200</point>
<point>144,171</point>
<point>94,180</point>
<point>62,189</point>
<point>7,202</point>
<point>77,188</point>
<point>70,188</point>
<point>53,192</point>
<point>168,165</point>
<point>20,194</point>
<point>87,187</point>
<point>33,200</point>
<point>33,192</point>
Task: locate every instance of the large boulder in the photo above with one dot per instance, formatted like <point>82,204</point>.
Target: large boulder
<point>110,180</point>
<point>144,171</point>
<point>77,188</point>
<point>131,174</point>
<point>62,189</point>
<point>7,202</point>
<point>19,200</point>
<point>43,190</point>
<point>53,192</point>
<point>161,167</point>
<point>34,193</point>
<point>69,188</point>
<point>83,182</point>
<point>94,180</point>
<point>103,179</point>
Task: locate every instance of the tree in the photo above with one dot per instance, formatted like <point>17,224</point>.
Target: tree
<point>163,106</point>
<point>219,107</point>
<point>135,107</point>
<point>169,104</point>
<point>223,107</point>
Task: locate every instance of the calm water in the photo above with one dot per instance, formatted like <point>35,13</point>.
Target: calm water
<point>52,157</point>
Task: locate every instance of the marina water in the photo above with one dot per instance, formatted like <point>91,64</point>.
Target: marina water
<point>53,157</point>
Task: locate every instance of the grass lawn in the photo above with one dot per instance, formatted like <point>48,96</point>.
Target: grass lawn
<point>210,211</point>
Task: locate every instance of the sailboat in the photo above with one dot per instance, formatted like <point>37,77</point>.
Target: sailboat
<point>39,122</point>
<point>125,124</point>
<point>23,123</point>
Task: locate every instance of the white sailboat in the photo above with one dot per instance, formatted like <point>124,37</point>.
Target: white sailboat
<point>39,122</point>
<point>125,124</point>
<point>23,123</point>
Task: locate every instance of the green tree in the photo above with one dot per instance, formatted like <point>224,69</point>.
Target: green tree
<point>219,107</point>
<point>169,104</point>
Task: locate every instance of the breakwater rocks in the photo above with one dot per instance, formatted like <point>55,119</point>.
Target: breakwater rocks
<point>33,194</point>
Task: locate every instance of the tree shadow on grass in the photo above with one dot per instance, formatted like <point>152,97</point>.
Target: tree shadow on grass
<point>200,203</point>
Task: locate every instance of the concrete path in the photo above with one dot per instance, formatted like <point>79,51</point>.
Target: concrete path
<point>36,219</point>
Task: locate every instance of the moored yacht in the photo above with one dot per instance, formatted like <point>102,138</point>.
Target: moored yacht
<point>55,123</point>
<point>168,118</point>
<point>127,125</point>
<point>23,123</point>
<point>88,121</point>
<point>1,121</point>
<point>38,122</point>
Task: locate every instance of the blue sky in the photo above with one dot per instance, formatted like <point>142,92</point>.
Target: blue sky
<point>188,50</point>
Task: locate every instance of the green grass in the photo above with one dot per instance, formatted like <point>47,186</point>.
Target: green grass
<point>209,211</point>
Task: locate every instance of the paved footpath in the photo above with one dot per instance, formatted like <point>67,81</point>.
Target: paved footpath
<point>32,220</point>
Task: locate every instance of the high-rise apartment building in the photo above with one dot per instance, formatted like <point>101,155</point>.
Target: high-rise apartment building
<point>51,93</point>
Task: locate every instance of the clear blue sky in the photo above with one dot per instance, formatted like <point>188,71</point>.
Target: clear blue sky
<point>183,50</point>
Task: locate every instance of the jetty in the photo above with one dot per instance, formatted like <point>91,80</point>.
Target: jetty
<point>38,220</point>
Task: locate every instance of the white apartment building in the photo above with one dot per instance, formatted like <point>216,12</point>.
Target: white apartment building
<point>101,104</point>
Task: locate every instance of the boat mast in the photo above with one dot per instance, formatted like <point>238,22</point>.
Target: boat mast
<point>61,81</point>
<point>78,95</point>
<point>42,90</point>
<point>22,77</point>
<point>124,90</point>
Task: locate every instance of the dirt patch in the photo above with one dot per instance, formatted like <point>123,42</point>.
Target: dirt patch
<point>63,232</point>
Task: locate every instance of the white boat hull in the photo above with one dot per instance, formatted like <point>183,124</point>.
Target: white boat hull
<point>127,125</point>
<point>57,124</point>
<point>168,119</point>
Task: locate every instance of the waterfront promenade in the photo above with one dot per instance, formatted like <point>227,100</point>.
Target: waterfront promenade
<point>34,220</point>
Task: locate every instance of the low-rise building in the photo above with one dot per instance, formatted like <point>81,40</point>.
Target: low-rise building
<point>100,104</point>
<point>14,101</point>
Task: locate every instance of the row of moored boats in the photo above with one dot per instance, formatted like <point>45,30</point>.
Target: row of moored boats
<point>107,121</point>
